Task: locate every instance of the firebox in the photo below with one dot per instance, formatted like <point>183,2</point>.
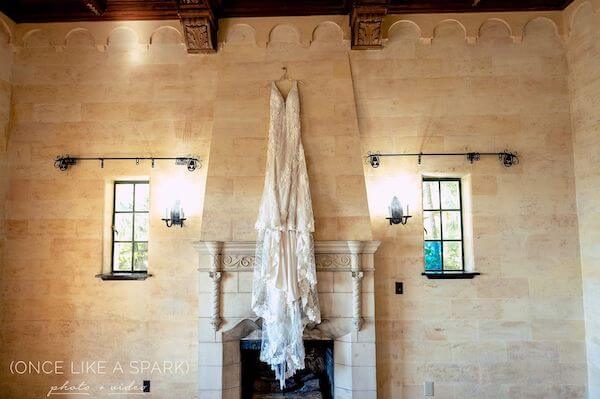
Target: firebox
<point>314,382</point>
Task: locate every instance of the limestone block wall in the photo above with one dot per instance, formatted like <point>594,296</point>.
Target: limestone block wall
<point>583,52</point>
<point>70,97</point>
<point>329,128</point>
<point>443,82</point>
<point>516,331</point>
<point>5,106</point>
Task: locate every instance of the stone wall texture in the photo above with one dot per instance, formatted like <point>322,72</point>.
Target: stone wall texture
<point>126,102</point>
<point>131,89</point>
<point>583,51</point>
<point>5,104</point>
<point>517,330</point>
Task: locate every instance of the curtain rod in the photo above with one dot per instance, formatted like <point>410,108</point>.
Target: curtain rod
<point>64,162</point>
<point>507,158</point>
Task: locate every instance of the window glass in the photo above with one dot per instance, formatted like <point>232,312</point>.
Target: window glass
<point>130,226</point>
<point>431,195</point>
<point>442,225</point>
<point>451,225</point>
<point>452,255</point>
<point>123,197</point>
<point>122,256</point>
<point>433,256</point>
<point>450,194</point>
<point>142,197</point>
<point>431,222</point>
<point>141,227</point>
<point>141,256</point>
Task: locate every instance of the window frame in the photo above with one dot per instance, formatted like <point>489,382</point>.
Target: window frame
<point>460,210</point>
<point>133,240</point>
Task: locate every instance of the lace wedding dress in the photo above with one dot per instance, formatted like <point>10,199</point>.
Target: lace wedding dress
<point>285,281</point>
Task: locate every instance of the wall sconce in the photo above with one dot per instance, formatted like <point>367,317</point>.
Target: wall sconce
<point>397,215</point>
<point>374,160</point>
<point>175,216</point>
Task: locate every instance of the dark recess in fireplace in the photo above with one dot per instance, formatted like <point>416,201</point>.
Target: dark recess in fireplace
<point>314,382</point>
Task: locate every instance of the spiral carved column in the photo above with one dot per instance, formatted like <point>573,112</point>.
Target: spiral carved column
<point>355,248</point>
<point>215,275</point>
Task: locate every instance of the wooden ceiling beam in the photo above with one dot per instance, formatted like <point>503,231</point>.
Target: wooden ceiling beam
<point>199,20</point>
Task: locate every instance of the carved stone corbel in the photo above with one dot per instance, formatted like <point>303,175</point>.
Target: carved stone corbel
<point>365,24</point>
<point>199,25</point>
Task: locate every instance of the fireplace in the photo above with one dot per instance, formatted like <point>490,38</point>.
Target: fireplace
<point>344,341</point>
<point>314,382</point>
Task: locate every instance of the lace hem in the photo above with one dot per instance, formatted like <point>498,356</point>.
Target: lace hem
<point>284,316</point>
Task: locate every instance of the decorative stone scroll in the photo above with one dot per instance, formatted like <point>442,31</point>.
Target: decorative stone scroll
<point>330,256</point>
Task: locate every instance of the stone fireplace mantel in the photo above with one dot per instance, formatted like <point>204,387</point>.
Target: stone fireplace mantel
<point>346,295</point>
<point>354,257</point>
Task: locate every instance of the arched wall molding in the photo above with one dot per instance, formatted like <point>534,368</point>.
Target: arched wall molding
<point>122,30</point>
<point>100,31</point>
<point>571,13</point>
<point>230,31</point>
<point>472,23</point>
<point>8,26</point>
<point>282,30</point>
<point>166,28</point>
<point>398,24</point>
<point>448,22</point>
<point>544,20</point>
<point>488,21</point>
<point>327,25</point>
<point>263,28</point>
<point>75,31</point>
<point>30,38</point>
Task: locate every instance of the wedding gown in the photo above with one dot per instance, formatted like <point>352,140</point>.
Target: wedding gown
<point>285,282</point>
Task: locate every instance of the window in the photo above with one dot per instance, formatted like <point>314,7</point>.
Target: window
<point>130,225</point>
<point>443,225</point>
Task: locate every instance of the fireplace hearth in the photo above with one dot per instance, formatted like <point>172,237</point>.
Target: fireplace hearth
<point>314,382</point>
<point>227,326</point>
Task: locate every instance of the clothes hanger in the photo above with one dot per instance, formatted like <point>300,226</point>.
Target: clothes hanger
<point>286,77</point>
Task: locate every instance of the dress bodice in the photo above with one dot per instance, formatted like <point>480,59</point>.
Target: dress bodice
<point>286,202</point>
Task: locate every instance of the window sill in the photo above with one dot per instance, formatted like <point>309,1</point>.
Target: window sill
<point>451,275</point>
<point>124,276</point>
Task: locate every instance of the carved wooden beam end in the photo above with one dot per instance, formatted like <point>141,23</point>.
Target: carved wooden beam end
<point>365,22</point>
<point>200,34</point>
<point>199,25</point>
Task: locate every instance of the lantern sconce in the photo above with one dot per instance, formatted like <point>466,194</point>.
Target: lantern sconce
<point>174,217</point>
<point>397,215</point>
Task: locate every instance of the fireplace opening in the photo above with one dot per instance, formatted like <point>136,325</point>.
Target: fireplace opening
<point>314,382</point>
